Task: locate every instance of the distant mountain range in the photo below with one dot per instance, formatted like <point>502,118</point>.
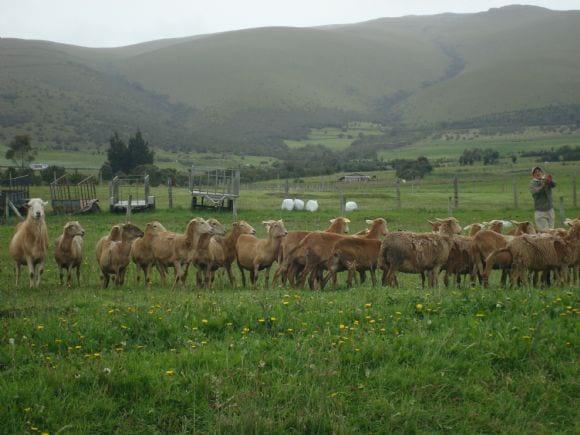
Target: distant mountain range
<point>247,90</point>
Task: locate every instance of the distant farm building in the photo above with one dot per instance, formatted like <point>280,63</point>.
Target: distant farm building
<point>355,178</point>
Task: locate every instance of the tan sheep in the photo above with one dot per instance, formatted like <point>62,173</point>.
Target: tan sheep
<point>201,256</point>
<point>113,252</point>
<point>142,250</point>
<point>29,243</point>
<point>68,251</point>
<point>417,252</point>
<point>222,251</point>
<point>255,254</point>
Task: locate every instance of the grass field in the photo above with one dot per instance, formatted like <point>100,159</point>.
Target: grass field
<point>139,359</point>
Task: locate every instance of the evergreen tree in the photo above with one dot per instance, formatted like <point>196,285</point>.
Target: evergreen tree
<point>138,151</point>
<point>117,154</point>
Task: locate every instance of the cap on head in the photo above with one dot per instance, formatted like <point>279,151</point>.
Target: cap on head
<point>536,168</point>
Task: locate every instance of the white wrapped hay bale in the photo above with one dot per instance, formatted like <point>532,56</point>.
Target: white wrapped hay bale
<point>350,206</point>
<point>298,204</point>
<point>288,204</point>
<point>312,205</point>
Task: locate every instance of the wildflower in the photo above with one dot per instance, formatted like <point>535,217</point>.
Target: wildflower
<point>526,337</point>
<point>11,341</point>
<point>480,315</point>
<point>204,321</point>
<point>273,319</point>
<point>57,340</point>
<point>333,394</point>
<point>342,326</point>
<point>398,313</point>
<point>261,320</point>
<point>419,307</point>
<point>124,326</point>
<point>40,327</point>
<point>368,305</point>
<point>285,302</point>
<point>372,321</point>
<point>170,372</point>
<point>26,409</point>
<point>78,347</point>
<point>290,330</point>
<point>107,371</point>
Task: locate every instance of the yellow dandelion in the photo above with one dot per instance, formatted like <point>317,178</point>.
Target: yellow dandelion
<point>285,302</point>
<point>204,321</point>
<point>290,330</point>
<point>342,326</point>
<point>261,320</point>
<point>40,327</point>
<point>170,372</point>
<point>419,307</point>
<point>480,315</point>
<point>368,305</point>
<point>273,319</point>
<point>372,321</point>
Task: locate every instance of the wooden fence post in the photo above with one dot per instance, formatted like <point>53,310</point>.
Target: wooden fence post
<point>170,193</point>
<point>455,192</point>
<point>515,189</point>
<point>129,205</point>
<point>562,211</point>
<point>574,203</point>
<point>341,205</point>
<point>287,187</point>
<point>398,187</point>
<point>450,207</point>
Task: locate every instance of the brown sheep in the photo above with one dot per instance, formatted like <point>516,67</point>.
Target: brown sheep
<point>575,267</point>
<point>142,250</point>
<point>113,252</point>
<point>473,229</point>
<point>29,243</point>
<point>222,250</point>
<point>355,254</point>
<point>316,249</point>
<point>536,253</point>
<point>183,248</point>
<point>201,257</point>
<point>487,241</point>
<point>417,252</point>
<point>338,225</point>
<point>459,261</point>
<point>68,251</point>
<point>255,254</point>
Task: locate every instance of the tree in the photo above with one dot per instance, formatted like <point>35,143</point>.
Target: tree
<point>139,152</point>
<point>117,154</point>
<point>20,150</point>
<point>490,156</point>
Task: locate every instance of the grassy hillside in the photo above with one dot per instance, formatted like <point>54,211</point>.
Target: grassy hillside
<point>252,89</point>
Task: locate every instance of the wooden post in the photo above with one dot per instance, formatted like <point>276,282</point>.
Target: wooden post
<point>129,205</point>
<point>236,191</point>
<point>398,187</point>
<point>455,192</point>
<point>515,189</point>
<point>287,187</point>
<point>341,204</point>
<point>574,203</point>
<point>169,193</point>
<point>562,211</point>
<point>100,178</point>
<point>450,207</point>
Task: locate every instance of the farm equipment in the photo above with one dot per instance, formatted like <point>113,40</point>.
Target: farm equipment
<point>74,198</point>
<point>214,188</point>
<point>14,194</point>
<point>132,192</point>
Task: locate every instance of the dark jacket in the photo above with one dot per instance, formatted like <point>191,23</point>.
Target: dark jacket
<point>542,194</point>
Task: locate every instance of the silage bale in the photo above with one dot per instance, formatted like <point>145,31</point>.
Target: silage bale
<point>312,205</point>
<point>298,204</point>
<point>350,206</point>
<point>288,204</point>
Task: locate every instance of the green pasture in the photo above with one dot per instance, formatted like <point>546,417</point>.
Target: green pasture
<point>235,360</point>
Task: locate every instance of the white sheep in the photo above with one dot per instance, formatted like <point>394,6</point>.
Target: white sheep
<point>350,206</point>
<point>287,204</point>
<point>312,205</point>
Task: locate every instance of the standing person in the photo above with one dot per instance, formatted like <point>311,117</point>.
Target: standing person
<point>541,188</point>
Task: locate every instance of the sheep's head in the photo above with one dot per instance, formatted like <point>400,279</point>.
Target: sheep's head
<point>473,229</point>
<point>275,228</point>
<point>571,222</point>
<point>378,224</point>
<point>200,226</point>
<point>574,231</point>
<point>115,233</point>
<point>495,225</point>
<point>217,228</point>
<point>435,225</point>
<point>244,228</point>
<point>74,229</point>
<point>130,232</point>
<point>154,227</point>
<point>340,225</point>
<point>35,208</point>
<point>449,226</point>
<point>525,227</point>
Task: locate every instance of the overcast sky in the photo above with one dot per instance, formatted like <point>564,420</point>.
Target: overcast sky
<point>109,23</point>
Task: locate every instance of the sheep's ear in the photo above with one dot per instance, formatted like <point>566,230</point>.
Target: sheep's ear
<point>347,220</point>
<point>369,221</point>
<point>332,221</point>
<point>516,222</point>
<point>568,222</point>
<point>45,203</point>
<point>467,227</point>
<point>439,220</point>
<point>432,223</point>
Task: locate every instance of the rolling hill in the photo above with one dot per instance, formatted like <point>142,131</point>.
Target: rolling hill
<point>248,90</point>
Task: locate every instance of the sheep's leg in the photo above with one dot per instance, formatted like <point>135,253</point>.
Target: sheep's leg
<point>17,272</point>
<point>267,277</point>
<point>177,266</point>
<point>254,277</point>
<point>228,268</point>
<point>105,280</point>
<point>373,276</point>
<point>78,270</point>
<point>243,276</point>
<point>280,270</point>
<point>39,272</point>
<point>61,274</point>
<point>422,280</point>
<point>69,276</point>
<point>363,276</point>
<point>31,272</point>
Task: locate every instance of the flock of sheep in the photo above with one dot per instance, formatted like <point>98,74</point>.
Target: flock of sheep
<point>313,256</point>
